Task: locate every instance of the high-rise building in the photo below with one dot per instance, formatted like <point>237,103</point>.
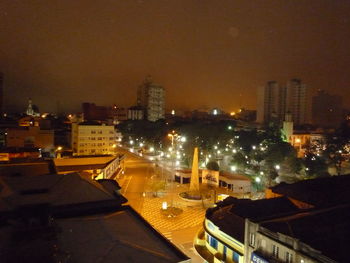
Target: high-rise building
<point>296,101</point>
<point>150,96</point>
<point>271,100</point>
<point>275,101</point>
<point>326,109</point>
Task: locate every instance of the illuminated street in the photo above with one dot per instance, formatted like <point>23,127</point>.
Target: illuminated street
<point>181,229</point>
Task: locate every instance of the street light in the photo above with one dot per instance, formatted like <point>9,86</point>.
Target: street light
<point>172,135</point>
<point>58,151</point>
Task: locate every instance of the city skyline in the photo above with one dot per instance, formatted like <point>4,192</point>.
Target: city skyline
<point>203,53</point>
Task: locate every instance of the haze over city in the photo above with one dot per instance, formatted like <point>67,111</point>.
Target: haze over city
<point>204,53</point>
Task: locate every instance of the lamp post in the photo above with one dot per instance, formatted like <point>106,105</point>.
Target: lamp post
<point>172,135</point>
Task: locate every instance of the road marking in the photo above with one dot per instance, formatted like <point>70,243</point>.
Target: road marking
<point>127,185</point>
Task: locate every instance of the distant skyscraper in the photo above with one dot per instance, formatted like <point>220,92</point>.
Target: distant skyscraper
<point>296,101</point>
<point>270,102</point>
<point>275,101</point>
<point>151,97</point>
<point>326,109</point>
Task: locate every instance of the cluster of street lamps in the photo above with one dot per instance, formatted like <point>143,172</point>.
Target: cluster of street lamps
<point>175,151</point>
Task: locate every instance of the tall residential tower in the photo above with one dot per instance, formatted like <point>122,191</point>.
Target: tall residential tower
<point>275,101</point>
<point>150,96</point>
<point>296,101</point>
<point>270,102</point>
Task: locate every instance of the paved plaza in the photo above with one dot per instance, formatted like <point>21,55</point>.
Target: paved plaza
<point>192,212</point>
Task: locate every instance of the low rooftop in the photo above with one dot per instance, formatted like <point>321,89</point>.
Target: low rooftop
<point>320,192</point>
<point>82,163</point>
<point>230,214</point>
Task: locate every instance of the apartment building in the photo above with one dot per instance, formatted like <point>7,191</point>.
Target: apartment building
<point>275,101</point>
<point>90,138</point>
<point>151,97</point>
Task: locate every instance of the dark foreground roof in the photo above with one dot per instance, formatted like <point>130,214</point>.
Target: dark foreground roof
<point>33,167</point>
<point>321,192</point>
<point>62,193</point>
<point>66,218</point>
<point>122,236</point>
<point>325,230</point>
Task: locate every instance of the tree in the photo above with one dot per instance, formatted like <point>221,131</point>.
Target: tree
<point>239,160</point>
<point>212,165</point>
<point>338,144</point>
<point>315,166</point>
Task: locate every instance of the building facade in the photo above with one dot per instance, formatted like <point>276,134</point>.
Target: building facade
<point>275,101</point>
<point>271,99</point>
<point>30,137</point>
<point>302,238</point>
<point>111,114</point>
<point>151,97</point>
<point>222,238</point>
<point>296,101</point>
<point>135,113</point>
<point>93,139</point>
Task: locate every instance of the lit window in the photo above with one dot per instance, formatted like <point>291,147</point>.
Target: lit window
<point>251,239</point>
<point>289,258</point>
<point>275,251</point>
<point>213,242</point>
<point>235,257</point>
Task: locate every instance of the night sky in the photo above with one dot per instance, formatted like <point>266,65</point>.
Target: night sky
<point>206,53</point>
